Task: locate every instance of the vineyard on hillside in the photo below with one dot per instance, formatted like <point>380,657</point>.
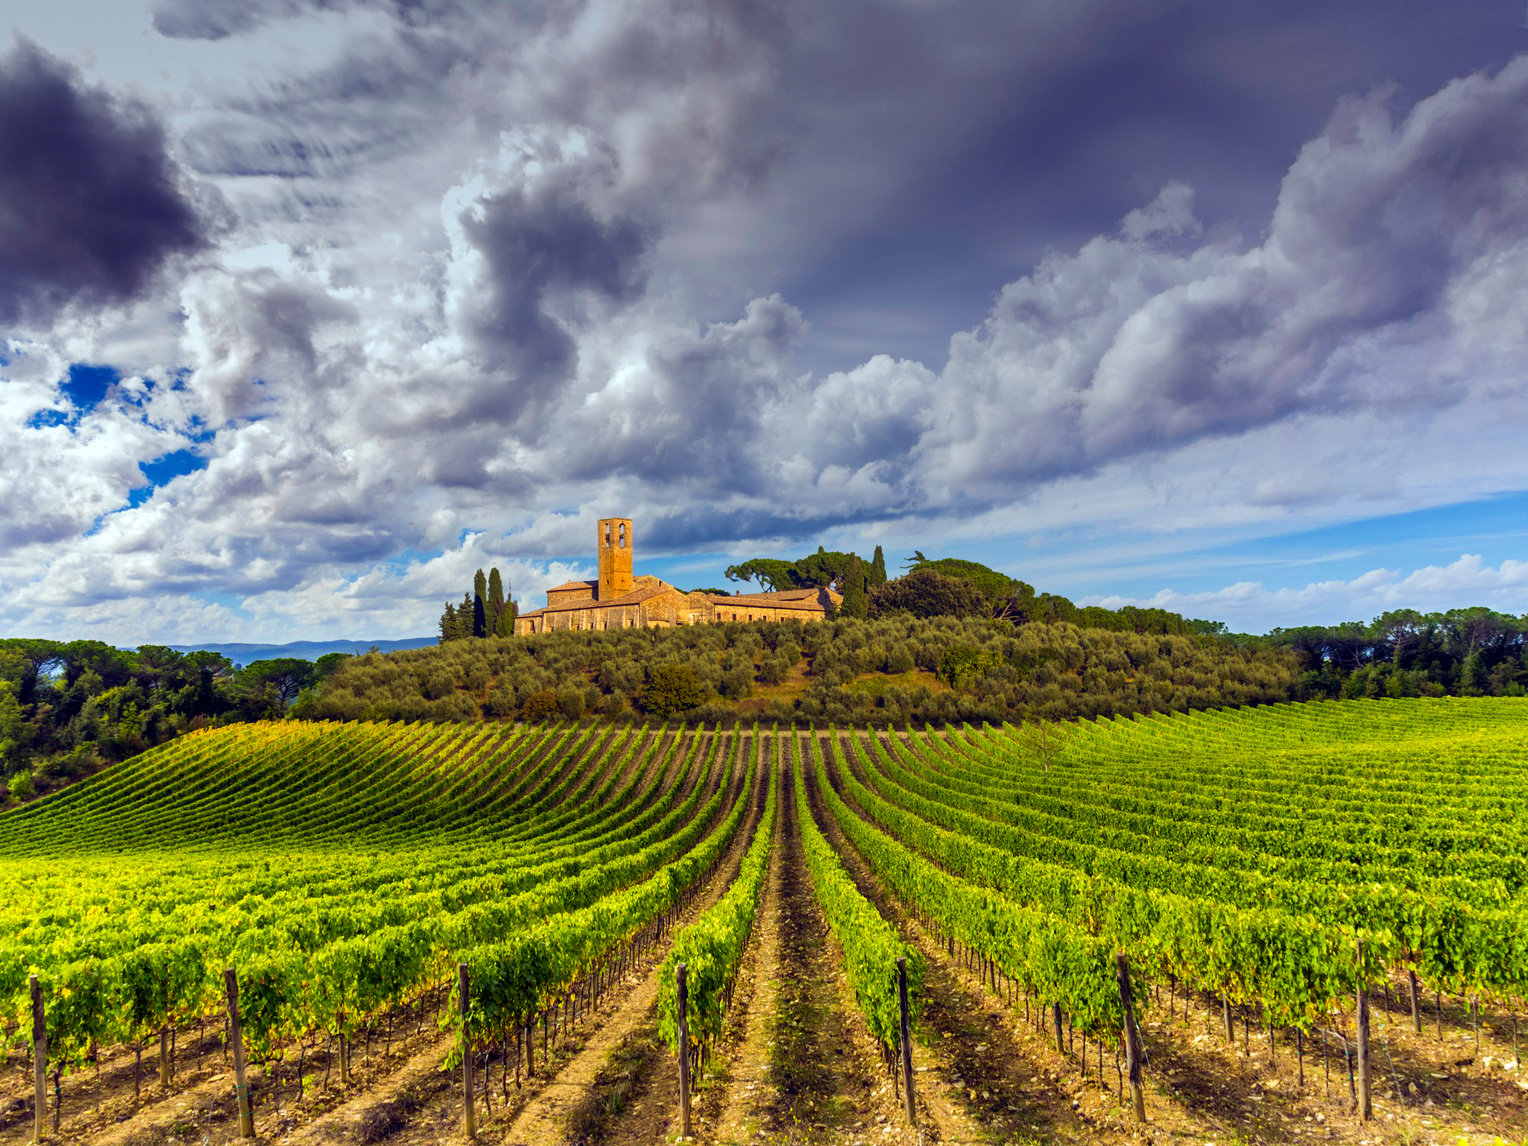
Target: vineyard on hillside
<point>325,932</point>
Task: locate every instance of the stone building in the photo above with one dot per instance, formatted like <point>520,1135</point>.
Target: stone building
<point>619,600</point>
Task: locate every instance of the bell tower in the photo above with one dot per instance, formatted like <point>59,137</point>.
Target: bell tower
<point>615,558</point>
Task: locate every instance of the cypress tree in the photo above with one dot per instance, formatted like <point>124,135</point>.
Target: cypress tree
<point>877,574</point>
<point>479,605</point>
<point>507,617</point>
<point>856,602</point>
<point>495,602</point>
<point>448,623</point>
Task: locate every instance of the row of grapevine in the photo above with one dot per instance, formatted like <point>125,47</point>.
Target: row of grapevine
<point>330,962</point>
<point>1462,934</point>
<point>968,828</point>
<point>712,946</point>
<point>870,945</point>
<point>541,964</point>
<point>1051,957</point>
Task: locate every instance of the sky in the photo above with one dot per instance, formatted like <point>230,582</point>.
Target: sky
<point>310,308</point>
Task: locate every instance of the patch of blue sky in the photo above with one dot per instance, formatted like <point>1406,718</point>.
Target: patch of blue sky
<point>167,467</point>
<point>87,385</point>
<point>699,570</point>
<point>1494,529</point>
<point>162,471</point>
<point>85,389</point>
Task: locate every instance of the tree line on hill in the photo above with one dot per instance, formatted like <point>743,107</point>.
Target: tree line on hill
<point>1460,652</point>
<point>486,610</point>
<point>948,640</point>
<point>951,587</point>
<point>67,707</point>
<point>894,669</point>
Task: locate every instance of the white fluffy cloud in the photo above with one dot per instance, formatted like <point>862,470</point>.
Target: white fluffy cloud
<point>466,286</point>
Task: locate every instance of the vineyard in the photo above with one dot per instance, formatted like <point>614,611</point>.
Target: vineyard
<point>1277,924</point>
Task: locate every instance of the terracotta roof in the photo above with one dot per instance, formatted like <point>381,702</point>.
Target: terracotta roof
<point>786,599</point>
<point>635,597</point>
<point>573,585</point>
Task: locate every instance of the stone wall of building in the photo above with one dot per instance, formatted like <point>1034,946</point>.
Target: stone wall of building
<point>617,600</point>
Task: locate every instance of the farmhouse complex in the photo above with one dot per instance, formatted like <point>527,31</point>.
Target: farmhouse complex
<point>620,600</point>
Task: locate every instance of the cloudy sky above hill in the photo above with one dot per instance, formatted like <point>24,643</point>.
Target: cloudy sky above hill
<point>308,308</point>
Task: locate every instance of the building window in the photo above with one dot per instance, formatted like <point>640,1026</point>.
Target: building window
<point>621,529</point>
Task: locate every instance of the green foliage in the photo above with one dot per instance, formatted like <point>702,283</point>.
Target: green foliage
<point>66,707</point>
<point>877,573</point>
<point>994,586</point>
<point>1465,652</point>
<point>485,610</point>
<point>712,946</point>
<point>270,686</point>
<point>20,786</point>
<point>1008,672</point>
<point>328,940</point>
<point>775,576</point>
<point>773,670</point>
<point>926,592</point>
<point>961,664</point>
<point>496,604</point>
<point>672,690</point>
<point>1240,852</point>
<point>856,602</point>
<point>816,570</point>
<point>870,945</point>
<point>479,604</point>
<point>540,707</point>
<point>570,702</point>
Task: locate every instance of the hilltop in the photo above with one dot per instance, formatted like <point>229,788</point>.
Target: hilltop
<point>891,670</point>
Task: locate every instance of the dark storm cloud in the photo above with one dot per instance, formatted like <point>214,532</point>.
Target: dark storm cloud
<point>90,204</point>
<point>704,525</point>
<point>1375,289</point>
<point>540,249</point>
<point>1015,130</point>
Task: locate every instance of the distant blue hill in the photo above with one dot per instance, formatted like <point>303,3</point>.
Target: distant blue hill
<point>243,654</point>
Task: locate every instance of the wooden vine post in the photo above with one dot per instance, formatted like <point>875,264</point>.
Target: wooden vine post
<point>1365,1103</point>
<point>469,1111</point>
<point>683,990</point>
<point>1132,1035</point>
<point>236,1036</point>
<point>39,1063</point>
<point>907,1042</point>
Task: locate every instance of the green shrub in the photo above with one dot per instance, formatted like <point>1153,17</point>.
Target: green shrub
<point>540,707</point>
